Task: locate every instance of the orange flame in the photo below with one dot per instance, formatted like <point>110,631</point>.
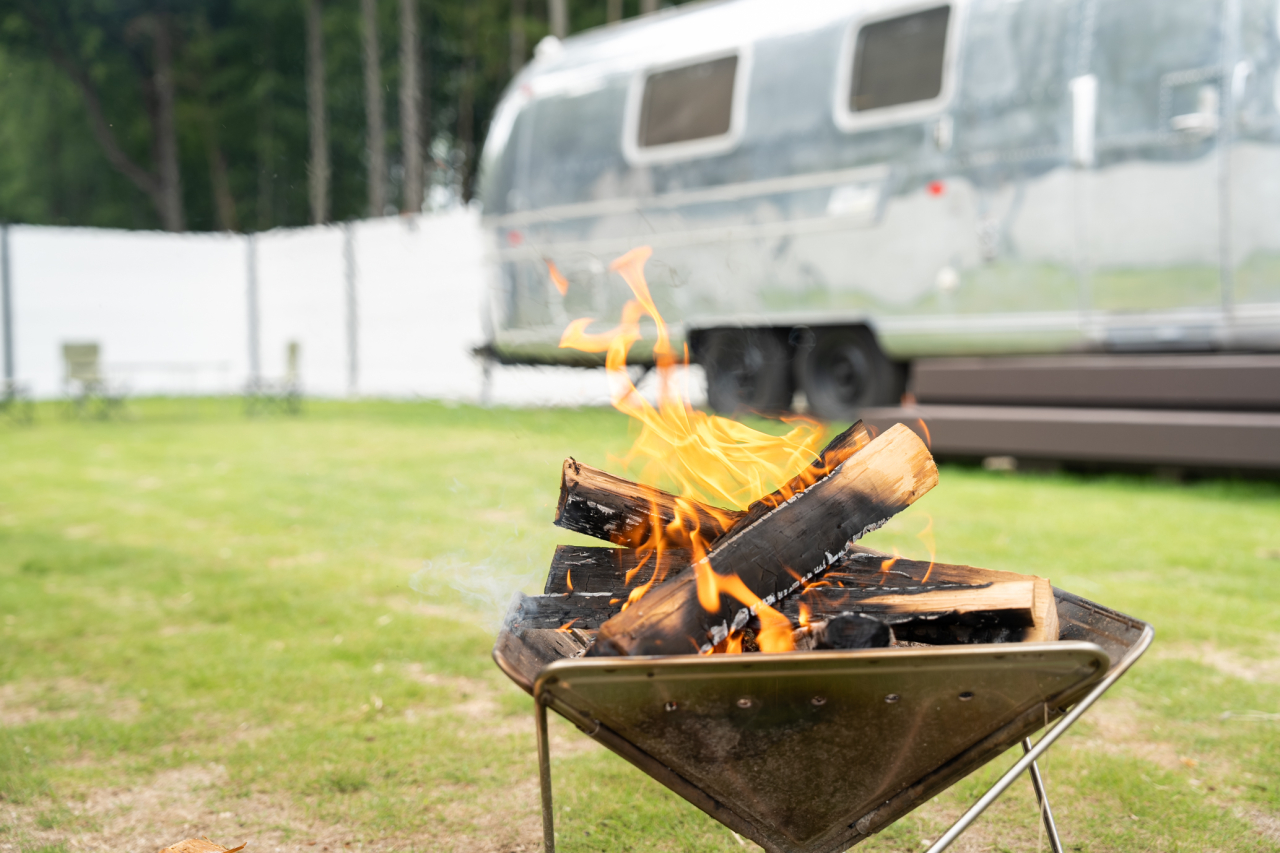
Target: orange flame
<point>928,439</point>
<point>804,615</point>
<point>926,536</point>
<point>568,579</point>
<point>561,283</point>
<point>886,565</point>
<point>564,629</point>
<point>712,460</point>
<point>775,629</point>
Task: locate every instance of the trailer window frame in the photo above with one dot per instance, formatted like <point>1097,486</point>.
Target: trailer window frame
<point>850,120</point>
<point>707,146</point>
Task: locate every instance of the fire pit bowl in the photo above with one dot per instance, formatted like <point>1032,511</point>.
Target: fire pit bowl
<point>813,752</point>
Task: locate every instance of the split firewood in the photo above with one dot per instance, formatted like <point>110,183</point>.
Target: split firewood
<point>578,569</point>
<point>771,557</point>
<point>845,631</point>
<point>944,591</point>
<point>617,510</point>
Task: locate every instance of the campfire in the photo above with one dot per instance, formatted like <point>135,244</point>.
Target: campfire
<point>736,642</point>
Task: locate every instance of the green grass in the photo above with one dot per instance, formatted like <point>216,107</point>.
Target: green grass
<point>278,630</point>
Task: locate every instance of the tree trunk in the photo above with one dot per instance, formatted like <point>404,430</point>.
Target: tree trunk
<point>224,203</point>
<point>517,36</point>
<point>558,17</point>
<point>466,128</point>
<point>410,107</point>
<point>318,168</point>
<point>613,11</point>
<point>376,134</point>
<point>166,131</point>
<point>648,7</point>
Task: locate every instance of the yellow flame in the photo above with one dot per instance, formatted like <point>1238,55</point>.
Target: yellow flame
<point>711,459</point>
<point>926,536</point>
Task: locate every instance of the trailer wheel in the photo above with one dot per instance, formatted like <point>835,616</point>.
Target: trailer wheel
<point>843,370</point>
<point>748,370</point>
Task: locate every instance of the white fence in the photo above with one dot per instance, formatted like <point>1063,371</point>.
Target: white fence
<point>386,307</point>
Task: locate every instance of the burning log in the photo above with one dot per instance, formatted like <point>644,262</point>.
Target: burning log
<point>620,511</point>
<point>761,562</point>
<point>578,569</point>
<point>942,603</point>
<point>846,631</point>
<point>617,510</point>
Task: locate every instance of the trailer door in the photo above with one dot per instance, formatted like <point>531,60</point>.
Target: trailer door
<point>1146,126</point>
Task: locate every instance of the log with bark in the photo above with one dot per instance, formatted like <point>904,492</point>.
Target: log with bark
<point>780,549</point>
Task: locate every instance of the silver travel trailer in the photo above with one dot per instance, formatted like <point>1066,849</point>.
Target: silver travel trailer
<point>835,188</point>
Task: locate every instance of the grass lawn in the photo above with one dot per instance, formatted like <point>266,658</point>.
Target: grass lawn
<point>278,631</point>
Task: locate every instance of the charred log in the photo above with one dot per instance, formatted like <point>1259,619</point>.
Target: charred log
<point>617,510</point>
<point>578,569</point>
<point>845,631</point>
<point>775,554</point>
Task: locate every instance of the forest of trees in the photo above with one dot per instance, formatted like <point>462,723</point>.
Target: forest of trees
<point>244,115</point>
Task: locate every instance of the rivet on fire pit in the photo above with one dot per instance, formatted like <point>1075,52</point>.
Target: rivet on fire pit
<point>744,702</point>
<point>819,700</point>
<point>671,706</point>
<point>966,696</point>
<point>892,697</point>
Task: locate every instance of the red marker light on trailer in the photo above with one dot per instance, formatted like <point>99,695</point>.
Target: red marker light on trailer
<point>936,187</point>
<point>514,238</point>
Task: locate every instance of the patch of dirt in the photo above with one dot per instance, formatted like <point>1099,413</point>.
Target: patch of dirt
<point>187,803</point>
<point>25,702</point>
<point>1268,825</point>
<point>1227,662</point>
<point>1117,727</point>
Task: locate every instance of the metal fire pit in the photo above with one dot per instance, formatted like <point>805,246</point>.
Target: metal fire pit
<point>813,752</point>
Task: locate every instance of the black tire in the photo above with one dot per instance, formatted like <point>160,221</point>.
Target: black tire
<point>842,371</point>
<point>748,370</point>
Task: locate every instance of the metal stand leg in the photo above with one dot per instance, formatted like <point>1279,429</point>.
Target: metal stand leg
<point>1050,737</point>
<point>1046,813</point>
<point>544,780</point>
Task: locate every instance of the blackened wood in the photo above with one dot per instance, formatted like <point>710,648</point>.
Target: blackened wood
<point>834,454</point>
<point>617,510</point>
<point>865,569</point>
<point>779,551</point>
<point>844,631</point>
<point>581,611</point>
<point>583,569</point>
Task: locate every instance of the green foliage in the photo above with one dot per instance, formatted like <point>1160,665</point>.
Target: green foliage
<point>192,592</point>
<point>241,91</point>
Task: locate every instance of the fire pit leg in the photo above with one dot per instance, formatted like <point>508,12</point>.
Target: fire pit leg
<point>544,779</point>
<point>1135,652</point>
<point>1046,813</point>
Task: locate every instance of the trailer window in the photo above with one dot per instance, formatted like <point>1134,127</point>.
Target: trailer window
<point>899,60</point>
<point>687,103</point>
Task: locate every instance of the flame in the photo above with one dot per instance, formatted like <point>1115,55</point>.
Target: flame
<point>711,460</point>
<point>564,629</point>
<point>804,615</point>
<point>928,439</point>
<point>926,536</point>
<point>775,629</point>
<point>561,283</point>
<point>568,579</point>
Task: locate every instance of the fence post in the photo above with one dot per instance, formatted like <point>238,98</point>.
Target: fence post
<point>349,258</point>
<point>255,364</point>
<point>6,309</point>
